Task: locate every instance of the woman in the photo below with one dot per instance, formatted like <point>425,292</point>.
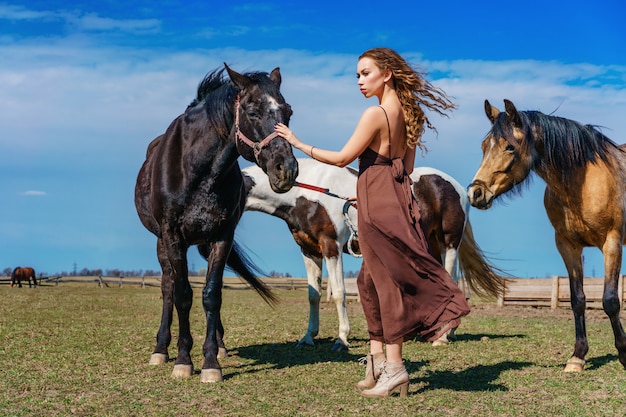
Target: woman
<point>403,289</point>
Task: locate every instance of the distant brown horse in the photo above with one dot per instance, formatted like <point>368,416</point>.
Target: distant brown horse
<point>23,274</point>
<point>585,198</point>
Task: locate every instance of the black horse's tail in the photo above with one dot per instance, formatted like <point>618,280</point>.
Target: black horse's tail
<point>243,266</point>
<point>246,269</point>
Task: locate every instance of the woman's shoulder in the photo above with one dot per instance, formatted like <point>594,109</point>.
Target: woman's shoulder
<point>376,112</point>
<point>373,117</point>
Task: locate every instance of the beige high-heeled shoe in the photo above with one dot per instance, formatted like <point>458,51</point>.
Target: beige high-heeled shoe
<point>394,376</point>
<point>374,366</point>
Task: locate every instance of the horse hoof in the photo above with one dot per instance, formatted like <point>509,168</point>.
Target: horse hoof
<point>574,364</point>
<point>301,344</point>
<point>222,353</point>
<point>158,359</point>
<point>211,375</point>
<point>339,347</point>
<point>182,371</point>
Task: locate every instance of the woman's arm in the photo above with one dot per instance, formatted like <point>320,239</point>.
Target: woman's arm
<point>365,132</point>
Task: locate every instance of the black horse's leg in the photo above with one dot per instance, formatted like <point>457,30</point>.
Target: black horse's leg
<point>183,297</point>
<point>572,256</point>
<point>176,257</point>
<point>612,251</point>
<point>164,336</point>
<point>212,303</point>
<point>222,352</point>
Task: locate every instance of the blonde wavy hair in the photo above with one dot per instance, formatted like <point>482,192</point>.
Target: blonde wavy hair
<point>414,91</point>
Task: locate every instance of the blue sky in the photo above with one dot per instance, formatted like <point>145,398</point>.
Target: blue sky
<point>85,86</point>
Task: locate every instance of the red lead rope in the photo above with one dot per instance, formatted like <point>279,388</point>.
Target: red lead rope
<point>321,190</point>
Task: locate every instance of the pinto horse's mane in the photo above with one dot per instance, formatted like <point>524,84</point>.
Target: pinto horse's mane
<point>566,144</point>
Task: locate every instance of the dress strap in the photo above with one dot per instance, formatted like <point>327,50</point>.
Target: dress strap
<point>388,132</point>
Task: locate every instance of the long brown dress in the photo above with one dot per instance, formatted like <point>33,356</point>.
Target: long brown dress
<point>404,290</point>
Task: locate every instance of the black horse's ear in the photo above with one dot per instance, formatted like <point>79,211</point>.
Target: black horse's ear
<point>511,114</point>
<point>275,76</point>
<point>491,112</point>
<point>241,81</point>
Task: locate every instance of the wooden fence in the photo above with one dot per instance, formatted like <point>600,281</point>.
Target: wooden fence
<point>195,281</point>
<point>554,292</point>
<point>538,292</point>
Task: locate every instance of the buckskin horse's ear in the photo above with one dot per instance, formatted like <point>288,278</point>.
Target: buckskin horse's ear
<point>491,112</point>
<point>511,114</point>
<point>239,80</point>
<point>275,76</point>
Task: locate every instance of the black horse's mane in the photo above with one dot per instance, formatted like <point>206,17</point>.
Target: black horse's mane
<point>565,144</point>
<point>215,93</point>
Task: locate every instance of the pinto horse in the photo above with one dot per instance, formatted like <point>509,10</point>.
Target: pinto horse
<point>322,224</point>
<point>25,273</point>
<point>190,191</point>
<point>585,198</point>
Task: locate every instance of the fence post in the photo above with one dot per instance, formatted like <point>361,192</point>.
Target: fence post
<point>501,297</point>
<point>120,281</point>
<point>99,281</point>
<point>554,295</point>
<point>143,281</point>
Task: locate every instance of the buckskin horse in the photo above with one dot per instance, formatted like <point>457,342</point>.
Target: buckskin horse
<point>25,273</point>
<point>585,198</point>
<point>323,222</point>
<point>190,191</point>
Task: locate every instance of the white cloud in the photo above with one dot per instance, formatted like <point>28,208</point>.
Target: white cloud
<point>80,21</point>
<point>31,193</point>
<point>16,13</point>
<point>93,22</point>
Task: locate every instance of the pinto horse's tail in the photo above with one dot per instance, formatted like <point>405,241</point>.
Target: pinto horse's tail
<point>482,277</point>
<point>246,269</point>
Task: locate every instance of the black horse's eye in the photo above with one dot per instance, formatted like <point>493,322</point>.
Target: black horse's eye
<point>509,148</point>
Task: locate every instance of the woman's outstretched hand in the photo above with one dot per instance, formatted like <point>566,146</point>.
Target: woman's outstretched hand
<point>286,133</point>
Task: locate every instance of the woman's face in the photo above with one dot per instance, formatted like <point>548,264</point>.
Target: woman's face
<point>371,79</point>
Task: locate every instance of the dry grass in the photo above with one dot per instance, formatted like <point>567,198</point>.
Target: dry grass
<point>82,350</point>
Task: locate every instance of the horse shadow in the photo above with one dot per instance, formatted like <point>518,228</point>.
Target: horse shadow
<point>600,361</point>
<point>287,355</point>
<point>475,378</point>
<point>479,337</point>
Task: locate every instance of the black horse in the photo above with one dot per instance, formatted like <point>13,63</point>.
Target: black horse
<point>190,191</point>
<point>25,273</point>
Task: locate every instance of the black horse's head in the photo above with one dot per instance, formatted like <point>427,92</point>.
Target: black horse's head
<point>259,107</point>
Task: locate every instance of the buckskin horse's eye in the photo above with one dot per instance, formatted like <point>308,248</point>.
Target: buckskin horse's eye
<point>509,148</point>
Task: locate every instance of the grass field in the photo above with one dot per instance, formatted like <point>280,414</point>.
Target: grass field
<point>80,350</point>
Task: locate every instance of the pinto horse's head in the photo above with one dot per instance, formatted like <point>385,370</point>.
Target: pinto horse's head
<point>259,107</point>
<point>507,156</point>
